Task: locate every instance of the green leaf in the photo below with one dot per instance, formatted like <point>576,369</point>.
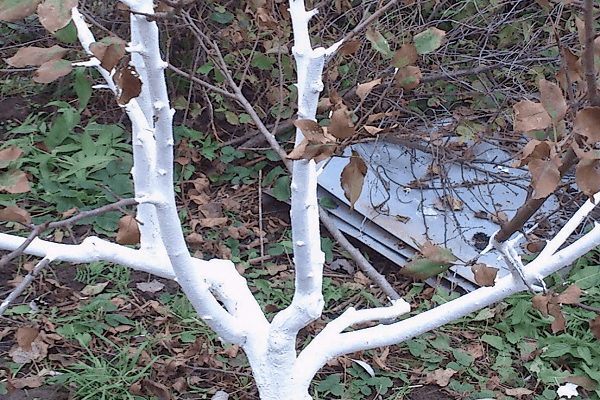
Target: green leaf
<point>222,17</point>
<point>187,337</point>
<point>68,34</point>
<point>261,61</point>
<point>83,88</point>
<point>420,267</point>
<point>378,42</point>
<point>206,68</point>
<point>272,175</point>
<point>232,118</point>
<point>494,341</point>
<point>281,188</point>
<point>327,203</point>
<point>429,40</point>
<point>416,348</point>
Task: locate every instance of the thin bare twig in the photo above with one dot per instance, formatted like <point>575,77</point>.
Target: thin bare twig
<point>24,284</point>
<point>588,53</point>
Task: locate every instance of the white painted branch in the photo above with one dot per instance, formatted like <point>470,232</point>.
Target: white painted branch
<point>143,157</point>
<point>327,347</point>
<point>94,249</point>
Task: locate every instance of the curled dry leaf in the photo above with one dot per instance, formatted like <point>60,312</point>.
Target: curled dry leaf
<point>15,214</point>
<point>586,124</point>
<point>52,70</point>
<point>316,145</point>
<point>569,296</point>
<point>553,100</point>
<point>13,11</point>
<point>484,275</point>
<point>587,176</point>
<point>364,88</point>
<point>55,14</point>
<point>129,232</point>
<point>406,55</point>
<point>128,83</point>
<point>595,327</point>
<point>340,122</point>
<point>447,203</point>
<point>545,176</point>
<point>534,149</point>
<point>353,177</point>
<point>110,50</point>
<point>350,47</point>
<point>530,116</point>
<point>9,154</point>
<point>27,56</point>
<point>14,181</point>
<point>408,77</point>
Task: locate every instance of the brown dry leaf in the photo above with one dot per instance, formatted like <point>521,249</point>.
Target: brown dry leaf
<point>353,177</point>
<point>109,51</point>
<point>340,122</point>
<point>14,181</point>
<point>545,176</point>
<point>518,392</point>
<point>540,303</point>
<point>129,232</point>
<point>484,275</point>
<point>25,336</point>
<point>157,389</point>
<point>569,296</point>
<point>377,116</point>
<point>499,217</point>
<point>180,384</point>
<point>476,350</point>
<point>30,382</point>
<point>52,70</point>
<point>9,154</point>
<point>380,360</point>
<point>212,222</point>
<point>364,88</point>
<point>553,100</point>
<point>27,56</point>
<point>317,145</point>
<point>586,124</point>
<point>194,239</point>
<point>264,19</point>
<point>29,347</point>
<point>559,323</point>
<point>534,149</point>
<point>530,116</point>
<point>595,327</point>
<point>92,290</point>
<point>440,376</point>
<point>150,287</point>
<point>15,214</point>
<point>406,55</point>
<point>372,130</point>
<point>15,11</point>
<point>232,351</point>
<point>308,127</point>
<point>408,77</point>
<point>447,203</point>
<point>580,31</point>
<point>55,14</point>
<point>587,176</point>
<point>350,47</point>
<point>128,83</point>
<point>583,381</point>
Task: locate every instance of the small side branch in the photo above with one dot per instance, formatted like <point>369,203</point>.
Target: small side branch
<point>24,284</point>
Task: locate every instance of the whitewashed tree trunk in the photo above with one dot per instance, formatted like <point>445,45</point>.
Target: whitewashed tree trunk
<point>280,372</point>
